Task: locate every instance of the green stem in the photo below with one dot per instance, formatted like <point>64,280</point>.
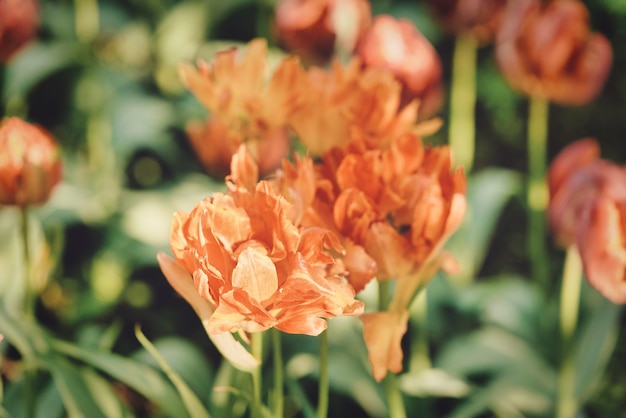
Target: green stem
<point>29,393</point>
<point>29,297</point>
<point>569,307</point>
<point>420,357</point>
<point>324,382</point>
<point>395,403</point>
<point>256,347</point>
<point>87,20</point>
<point>537,192</point>
<point>278,374</point>
<point>463,101</point>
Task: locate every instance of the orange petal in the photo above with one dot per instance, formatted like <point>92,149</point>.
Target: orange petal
<point>182,283</point>
<point>255,273</point>
<point>575,156</point>
<point>601,246</point>
<point>383,332</point>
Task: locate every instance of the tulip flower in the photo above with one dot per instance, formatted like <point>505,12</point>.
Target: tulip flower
<point>30,163</point>
<point>350,100</point>
<point>244,107</point>
<point>250,268</point>
<point>314,29</point>
<point>477,18</point>
<point>397,45</point>
<point>588,209</point>
<point>18,26</point>
<point>400,204</point>
<point>547,50</point>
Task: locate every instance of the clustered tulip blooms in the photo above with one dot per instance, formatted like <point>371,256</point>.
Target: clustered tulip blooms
<point>18,26</point>
<point>588,209</point>
<point>30,163</point>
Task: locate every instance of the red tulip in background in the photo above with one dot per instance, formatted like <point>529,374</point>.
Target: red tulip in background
<point>30,163</point>
<point>546,49</point>
<point>588,209</point>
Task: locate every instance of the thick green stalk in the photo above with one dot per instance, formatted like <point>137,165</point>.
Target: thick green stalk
<point>278,374</point>
<point>537,190</point>
<point>463,101</point>
<point>569,307</point>
<point>256,347</point>
<point>324,381</point>
<point>420,356</point>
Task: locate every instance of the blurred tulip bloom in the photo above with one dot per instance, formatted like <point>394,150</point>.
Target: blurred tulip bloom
<point>314,29</point>
<point>347,101</point>
<point>400,204</point>
<point>254,267</point>
<point>588,209</point>
<point>546,49</point>
<point>477,18</point>
<point>18,26</point>
<point>245,107</point>
<point>398,46</point>
<point>30,163</point>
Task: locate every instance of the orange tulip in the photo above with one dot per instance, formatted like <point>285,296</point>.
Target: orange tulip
<point>400,204</point>
<point>30,163</point>
<point>588,209</point>
<point>348,101</point>
<point>478,18</point>
<point>18,26</point>
<point>255,267</point>
<point>547,50</point>
<point>313,28</point>
<point>398,46</point>
<point>244,107</point>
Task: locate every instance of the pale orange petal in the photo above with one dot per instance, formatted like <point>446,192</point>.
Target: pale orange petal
<point>383,332</point>
<point>255,274</point>
<point>182,283</point>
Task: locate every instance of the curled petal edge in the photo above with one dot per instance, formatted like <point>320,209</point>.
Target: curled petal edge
<point>228,346</point>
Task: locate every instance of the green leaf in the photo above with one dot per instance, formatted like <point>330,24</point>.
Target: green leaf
<point>594,347</point>
<point>75,392</point>
<point>191,401</point>
<point>142,378</point>
<point>488,192</point>
<point>35,64</point>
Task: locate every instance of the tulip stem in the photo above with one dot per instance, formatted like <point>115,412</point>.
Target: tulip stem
<point>87,20</point>
<point>395,403</point>
<point>256,347</point>
<point>278,374</point>
<point>29,298</point>
<point>537,190</point>
<point>462,128</point>
<point>570,303</point>
<point>324,381</point>
<point>420,357</point>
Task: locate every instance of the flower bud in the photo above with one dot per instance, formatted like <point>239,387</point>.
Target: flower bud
<point>547,50</point>
<point>398,46</point>
<point>478,18</point>
<point>30,163</point>
<point>314,28</point>
<point>18,26</point>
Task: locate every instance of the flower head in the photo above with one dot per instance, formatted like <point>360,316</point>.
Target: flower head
<point>245,108</point>
<point>397,45</point>
<point>347,101</point>
<point>30,163</point>
<point>478,18</point>
<point>312,28</point>
<point>546,49</point>
<point>18,26</point>
<point>255,266</point>
<point>588,209</point>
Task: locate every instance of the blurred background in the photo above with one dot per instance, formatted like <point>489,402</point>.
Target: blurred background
<point>102,77</point>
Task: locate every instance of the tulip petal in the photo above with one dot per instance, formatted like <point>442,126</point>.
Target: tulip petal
<point>383,333</point>
<point>182,283</point>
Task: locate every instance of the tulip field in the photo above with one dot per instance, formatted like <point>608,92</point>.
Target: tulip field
<point>312,208</point>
